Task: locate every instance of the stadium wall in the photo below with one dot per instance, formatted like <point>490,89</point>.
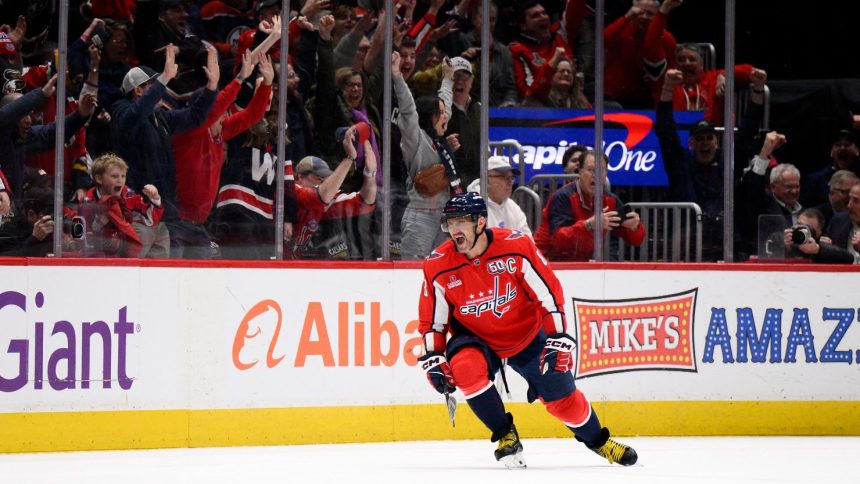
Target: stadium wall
<point>132,354</point>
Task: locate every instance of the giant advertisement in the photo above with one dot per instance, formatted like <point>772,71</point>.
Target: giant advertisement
<point>629,140</point>
<point>204,338</point>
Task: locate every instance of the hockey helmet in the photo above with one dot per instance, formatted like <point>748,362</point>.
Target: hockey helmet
<point>461,205</point>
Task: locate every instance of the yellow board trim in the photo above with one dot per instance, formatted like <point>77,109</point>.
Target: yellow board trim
<point>147,429</point>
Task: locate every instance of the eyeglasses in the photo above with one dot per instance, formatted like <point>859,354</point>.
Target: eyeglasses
<point>843,191</point>
<point>353,85</point>
<point>790,186</point>
<point>507,178</point>
<point>292,75</point>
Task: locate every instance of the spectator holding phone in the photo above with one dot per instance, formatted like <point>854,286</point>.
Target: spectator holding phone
<point>567,224</point>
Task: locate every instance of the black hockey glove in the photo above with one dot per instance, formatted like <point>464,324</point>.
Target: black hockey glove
<point>438,372</point>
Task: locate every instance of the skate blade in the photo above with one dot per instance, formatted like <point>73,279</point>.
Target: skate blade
<point>515,461</point>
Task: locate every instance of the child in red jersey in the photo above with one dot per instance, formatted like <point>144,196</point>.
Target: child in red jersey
<point>121,222</point>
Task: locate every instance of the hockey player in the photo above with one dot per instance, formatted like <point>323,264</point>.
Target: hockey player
<point>493,293</point>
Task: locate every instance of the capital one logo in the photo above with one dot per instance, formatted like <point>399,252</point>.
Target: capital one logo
<point>244,333</point>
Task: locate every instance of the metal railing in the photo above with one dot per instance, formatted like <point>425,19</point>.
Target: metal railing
<point>531,204</point>
<point>546,185</point>
<point>673,233</point>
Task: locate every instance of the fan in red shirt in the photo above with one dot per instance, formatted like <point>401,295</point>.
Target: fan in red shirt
<point>537,43</point>
<point>566,230</point>
<point>488,295</point>
<point>639,49</point>
<point>320,201</point>
<point>702,90</point>
<point>202,149</point>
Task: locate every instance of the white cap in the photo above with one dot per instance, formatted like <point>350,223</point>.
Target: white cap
<point>461,64</point>
<point>137,76</point>
<point>500,163</point>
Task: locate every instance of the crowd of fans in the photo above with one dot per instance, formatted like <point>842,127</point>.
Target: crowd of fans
<point>171,128</point>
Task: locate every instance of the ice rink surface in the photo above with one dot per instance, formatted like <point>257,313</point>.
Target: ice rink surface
<point>661,460</point>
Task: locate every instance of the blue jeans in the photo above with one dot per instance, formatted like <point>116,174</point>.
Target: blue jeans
<point>189,240</point>
<point>421,232</point>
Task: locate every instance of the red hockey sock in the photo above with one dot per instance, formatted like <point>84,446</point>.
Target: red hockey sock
<point>574,410</point>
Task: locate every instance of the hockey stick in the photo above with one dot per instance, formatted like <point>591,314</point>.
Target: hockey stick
<point>451,403</point>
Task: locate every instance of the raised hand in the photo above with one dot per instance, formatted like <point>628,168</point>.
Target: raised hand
<point>213,72</point>
<point>248,62</point>
<point>557,57</point>
<point>95,56</point>
<point>669,5</point>
<point>50,87</point>
<point>266,69</point>
<point>772,141</point>
<point>447,69</point>
<point>151,192</point>
<point>395,64</point>
<point>758,77</point>
<point>170,67</point>
<point>672,78</point>
<point>87,104</point>
<point>326,26</point>
<point>349,142</point>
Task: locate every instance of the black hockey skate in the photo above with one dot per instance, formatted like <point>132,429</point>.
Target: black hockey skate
<point>614,452</point>
<point>510,450</point>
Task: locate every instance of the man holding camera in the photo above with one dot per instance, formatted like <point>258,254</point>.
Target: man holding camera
<point>805,240</point>
<point>567,226</point>
<point>845,226</point>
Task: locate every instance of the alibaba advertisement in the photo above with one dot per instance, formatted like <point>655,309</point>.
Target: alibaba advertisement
<point>629,140</point>
<point>287,337</point>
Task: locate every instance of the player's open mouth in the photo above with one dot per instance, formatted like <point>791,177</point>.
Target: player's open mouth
<point>459,239</point>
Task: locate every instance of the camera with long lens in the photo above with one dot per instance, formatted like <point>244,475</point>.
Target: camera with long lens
<point>76,227</point>
<point>801,234</point>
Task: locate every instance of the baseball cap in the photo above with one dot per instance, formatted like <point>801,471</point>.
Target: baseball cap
<point>500,163</point>
<point>261,4</point>
<point>137,76</point>
<point>845,134</point>
<point>7,47</point>
<point>312,164</point>
<point>171,4</point>
<point>702,127</point>
<point>461,64</point>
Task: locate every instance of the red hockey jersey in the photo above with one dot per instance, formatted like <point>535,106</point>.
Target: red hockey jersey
<point>504,296</point>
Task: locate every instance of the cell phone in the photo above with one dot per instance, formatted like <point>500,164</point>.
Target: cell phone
<point>623,211</point>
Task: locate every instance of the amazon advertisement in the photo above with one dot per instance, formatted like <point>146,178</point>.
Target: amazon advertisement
<point>629,140</point>
<point>203,338</point>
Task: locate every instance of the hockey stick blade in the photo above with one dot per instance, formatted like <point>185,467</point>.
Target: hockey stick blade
<point>451,403</point>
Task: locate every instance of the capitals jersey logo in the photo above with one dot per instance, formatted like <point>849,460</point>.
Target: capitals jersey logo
<point>493,301</point>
